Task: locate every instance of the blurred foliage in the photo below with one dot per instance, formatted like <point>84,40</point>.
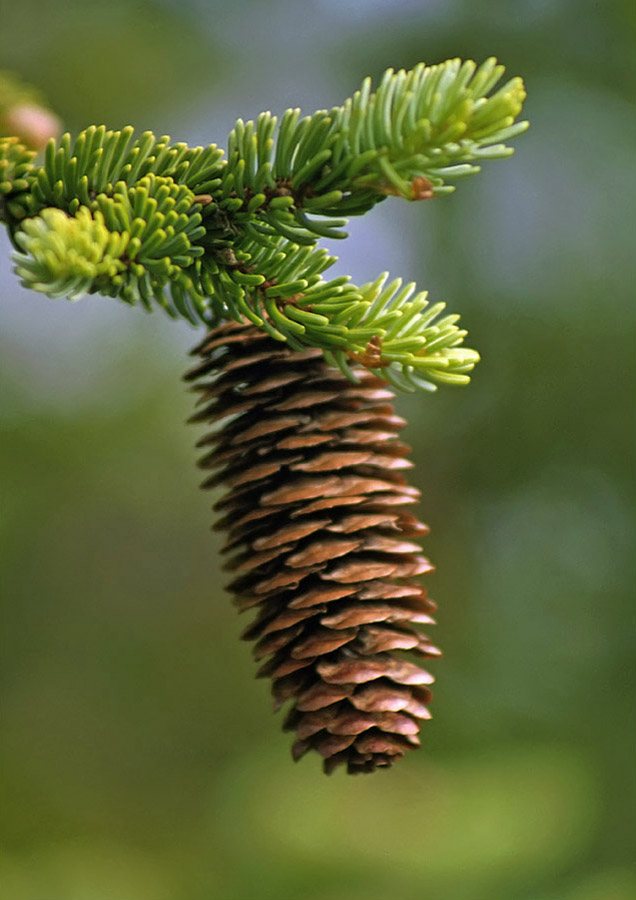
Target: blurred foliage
<point>24,114</point>
<point>139,756</point>
<point>118,62</point>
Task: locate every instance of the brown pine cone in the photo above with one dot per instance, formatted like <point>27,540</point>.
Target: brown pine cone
<point>321,542</point>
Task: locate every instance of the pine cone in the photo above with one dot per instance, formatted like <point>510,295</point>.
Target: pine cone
<point>320,540</point>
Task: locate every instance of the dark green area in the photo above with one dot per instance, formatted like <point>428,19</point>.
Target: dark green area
<point>140,759</point>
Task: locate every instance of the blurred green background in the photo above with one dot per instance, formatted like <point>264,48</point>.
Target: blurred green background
<point>140,759</point>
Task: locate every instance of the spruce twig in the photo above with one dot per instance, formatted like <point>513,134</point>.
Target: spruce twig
<point>208,238</point>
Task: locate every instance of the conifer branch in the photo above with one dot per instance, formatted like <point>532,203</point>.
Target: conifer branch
<point>209,239</point>
<point>419,130</point>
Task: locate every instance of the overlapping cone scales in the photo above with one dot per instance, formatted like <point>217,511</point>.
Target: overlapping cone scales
<point>321,542</point>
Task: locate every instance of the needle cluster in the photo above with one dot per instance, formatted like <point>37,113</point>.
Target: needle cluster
<point>211,238</point>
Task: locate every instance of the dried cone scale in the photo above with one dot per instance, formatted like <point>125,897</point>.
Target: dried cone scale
<point>320,542</point>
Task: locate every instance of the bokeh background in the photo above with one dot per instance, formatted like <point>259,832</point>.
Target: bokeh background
<point>140,759</point>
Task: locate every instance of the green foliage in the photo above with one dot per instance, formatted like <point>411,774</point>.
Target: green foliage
<point>66,255</point>
<point>15,168</point>
<point>206,238</point>
<point>408,138</point>
<point>75,173</point>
